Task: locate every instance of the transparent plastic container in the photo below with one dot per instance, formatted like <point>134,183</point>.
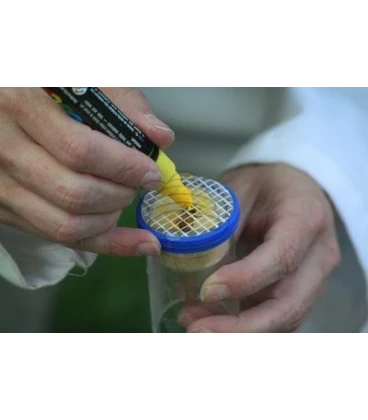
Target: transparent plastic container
<point>194,245</point>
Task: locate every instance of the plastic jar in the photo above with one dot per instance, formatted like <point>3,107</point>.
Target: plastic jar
<point>195,243</point>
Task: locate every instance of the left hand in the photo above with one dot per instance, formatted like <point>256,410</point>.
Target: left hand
<point>292,220</point>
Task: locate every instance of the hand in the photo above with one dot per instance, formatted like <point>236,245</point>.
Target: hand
<point>291,219</point>
<point>64,182</point>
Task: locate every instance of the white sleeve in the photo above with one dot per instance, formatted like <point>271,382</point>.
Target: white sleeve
<point>30,263</point>
<point>327,137</point>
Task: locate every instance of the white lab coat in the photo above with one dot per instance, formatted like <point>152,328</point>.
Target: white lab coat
<point>323,131</point>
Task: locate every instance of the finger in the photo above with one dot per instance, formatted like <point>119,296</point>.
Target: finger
<point>285,312</point>
<point>285,246</point>
<point>82,149</point>
<point>189,314</point>
<point>8,217</point>
<point>266,317</point>
<point>135,105</point>
<point>77,193</point>
<point>54,222</point>
<point>121,242</point>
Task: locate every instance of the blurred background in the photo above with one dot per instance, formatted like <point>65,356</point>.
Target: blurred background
<point>210,125</point>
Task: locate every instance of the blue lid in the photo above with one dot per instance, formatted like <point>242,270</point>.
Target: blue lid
<point>194,244</point>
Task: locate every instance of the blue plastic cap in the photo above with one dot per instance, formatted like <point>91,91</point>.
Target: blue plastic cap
<point>194,244</point>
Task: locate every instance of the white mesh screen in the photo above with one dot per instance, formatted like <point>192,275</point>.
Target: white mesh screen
<point>213,206</point>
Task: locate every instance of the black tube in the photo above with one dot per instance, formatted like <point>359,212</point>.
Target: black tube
<point>90,106</point>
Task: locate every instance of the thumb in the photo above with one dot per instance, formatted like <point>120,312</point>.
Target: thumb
<point>136,106</point>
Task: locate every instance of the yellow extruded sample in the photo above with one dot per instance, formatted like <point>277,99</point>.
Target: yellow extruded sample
<point>204,219</point>
<point>172,185</point>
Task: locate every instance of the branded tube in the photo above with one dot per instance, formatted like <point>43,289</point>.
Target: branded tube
<point>90,106</point>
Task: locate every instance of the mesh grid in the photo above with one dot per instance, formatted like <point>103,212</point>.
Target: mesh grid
<point>213,206</point>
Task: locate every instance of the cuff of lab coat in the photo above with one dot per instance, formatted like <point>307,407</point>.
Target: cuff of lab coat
<point>31,263</point>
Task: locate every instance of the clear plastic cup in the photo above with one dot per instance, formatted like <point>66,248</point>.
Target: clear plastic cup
<point>194,245</point>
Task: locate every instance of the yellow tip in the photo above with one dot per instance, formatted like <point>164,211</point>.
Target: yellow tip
<point>178,192</point>
<point>172,185</point>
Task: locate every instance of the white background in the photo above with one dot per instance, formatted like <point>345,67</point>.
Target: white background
<point>191,43</point>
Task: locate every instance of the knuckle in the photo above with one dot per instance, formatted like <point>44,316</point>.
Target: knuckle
<point>294,318</point>
<point>130,171</point>
<point>319,216</point>
<point>113,247</point>
<point>289,259</point>
<point>69,231</point>
<point>75,197</point>
<point>76,150</point>
<point>251,288</point>
<point>336,256</point>
<point>333,255</point>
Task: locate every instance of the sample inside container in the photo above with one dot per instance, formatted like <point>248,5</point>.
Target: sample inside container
<point>195,242</point>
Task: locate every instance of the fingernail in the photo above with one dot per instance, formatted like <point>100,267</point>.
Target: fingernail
<point>159,124</point>
<point>200,330</point>
<point>214,293</point>
<point>212,290</point>
<point>149,248</point>
<point>151,181</point>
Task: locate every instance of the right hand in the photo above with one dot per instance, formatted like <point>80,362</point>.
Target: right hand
<point>66,183</point>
